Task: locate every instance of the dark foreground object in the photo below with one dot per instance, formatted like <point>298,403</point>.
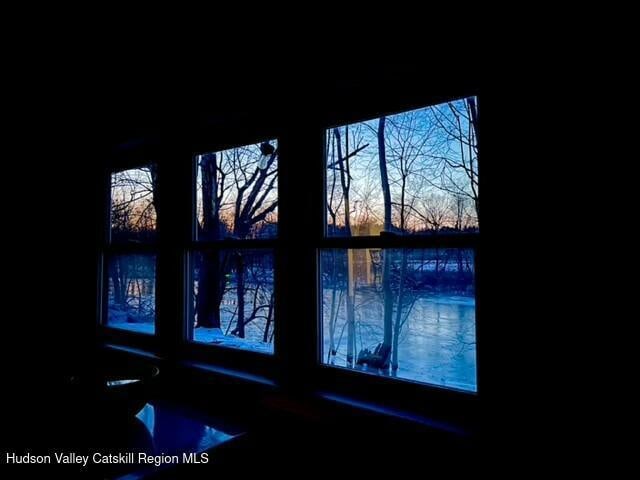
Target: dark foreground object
<point>117,391</point>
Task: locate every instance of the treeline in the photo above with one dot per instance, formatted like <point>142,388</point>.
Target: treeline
<point>425,270</point>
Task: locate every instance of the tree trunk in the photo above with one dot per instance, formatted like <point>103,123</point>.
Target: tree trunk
<point>116,274</point>
<point>265,337</point>
<point>387,295</point>
<point>211,282</point>
<point>210,208</point>
<point>209,293</point>
<point>240,266</point>
<point>153,169</point>
<point>386,265</point>
<point>139,293</point>
<point>398,323</point>
<point>351,325</point>
<point>333,313</point>
<point>345,182</point>
<point>384,177</point>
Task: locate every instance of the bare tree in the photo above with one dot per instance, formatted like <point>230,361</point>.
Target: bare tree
<point>258,286</point>
<point>211,276</point>
<point>238,197</point>
<point>406,139</point>
<point>457,158</point>
<point>343,145</point>
<point>118,281</point>
<point>423,176</point>
<point>387,294</point>
<point>334,202</point>
<point>345,181</point>
<point>134,203</point>
<point>436,210</point>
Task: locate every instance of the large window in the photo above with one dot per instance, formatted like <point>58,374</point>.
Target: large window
<point>354,249</point>
<point>403,312</point>
<point>130,266</point>
<point>232,301</point>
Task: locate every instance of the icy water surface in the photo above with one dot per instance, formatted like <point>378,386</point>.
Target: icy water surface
<point>436,346</point>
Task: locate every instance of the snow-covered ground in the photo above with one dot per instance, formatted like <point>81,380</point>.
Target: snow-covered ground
<point>213,336</point>
<point>216,337</point>
<point>147,327</point>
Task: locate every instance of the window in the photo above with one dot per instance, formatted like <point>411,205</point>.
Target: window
<point>232,286</point>
<point>403,181</point>
<point>129,262</point>
<point>354,249</point>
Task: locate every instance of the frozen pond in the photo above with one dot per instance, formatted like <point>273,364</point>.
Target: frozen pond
<point>436,344</point>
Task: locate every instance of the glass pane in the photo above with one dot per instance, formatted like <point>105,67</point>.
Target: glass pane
<point>233,299</point>
<point>132,292</point>
<point>415,172</point>
<point>133,207</point>
<point>404,313</point>
<point>237,192</point>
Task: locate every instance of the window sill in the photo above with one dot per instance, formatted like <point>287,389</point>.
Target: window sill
<point>403,415</point>
<point>329,398</point>
<point>236,374</point>
<point>133,351</point>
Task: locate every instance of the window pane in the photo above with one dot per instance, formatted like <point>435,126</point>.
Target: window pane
<point>132,292</point>
<point>405,313</point>
<point>133,209</point>
<point>415,172</point>
<point>233,299</point>
<point>237,192</point>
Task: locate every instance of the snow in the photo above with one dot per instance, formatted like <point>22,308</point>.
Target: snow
<point>148,327</point>
<point>216,337</point>
<point>213,336</point>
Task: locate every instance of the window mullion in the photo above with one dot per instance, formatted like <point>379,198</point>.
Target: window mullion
<point>174,225</point>
<point>301,208</point>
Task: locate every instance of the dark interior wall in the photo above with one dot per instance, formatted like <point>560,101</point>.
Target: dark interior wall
<point>50,197</point>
